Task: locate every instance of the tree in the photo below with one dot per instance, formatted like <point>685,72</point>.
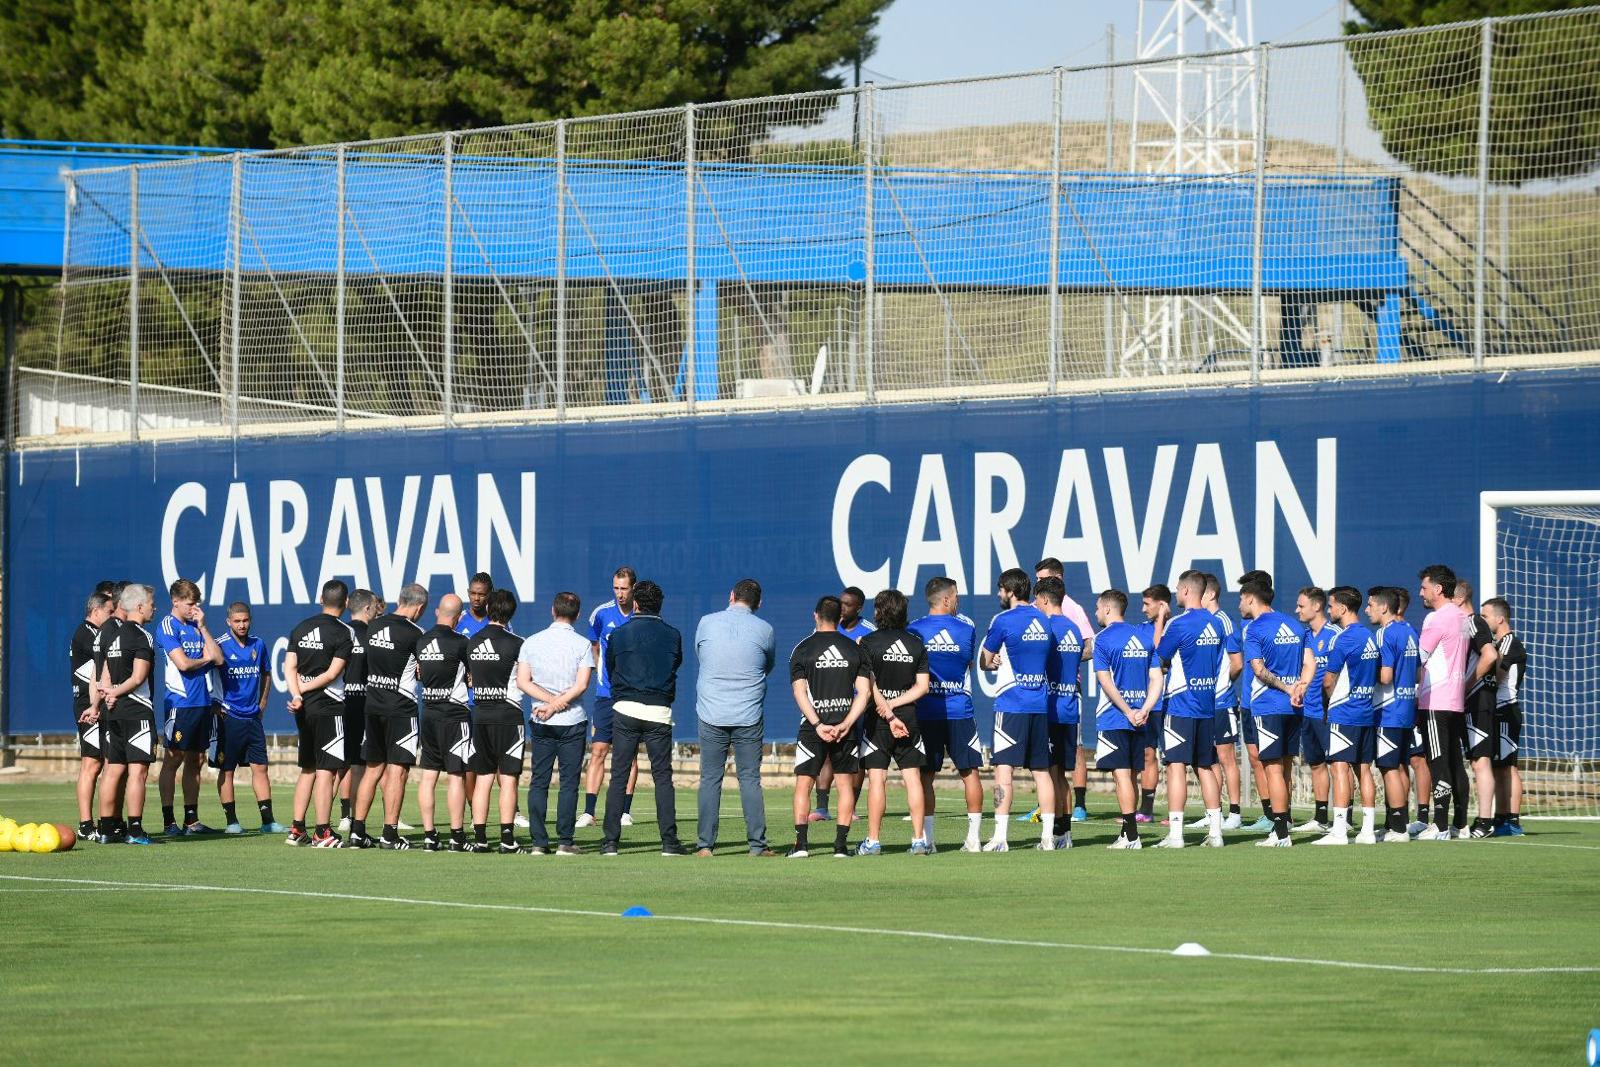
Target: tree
<point>1423,89</point>
<point>272,73</point>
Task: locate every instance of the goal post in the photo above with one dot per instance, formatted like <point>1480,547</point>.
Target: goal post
<point>1541,552</point>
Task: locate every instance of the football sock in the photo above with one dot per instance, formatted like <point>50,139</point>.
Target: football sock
<point>107,826</point>
<point>1422,813</point>
<point>168,815</point>
<point>458,834</point>
<point>1349,814</point>
<point>265,808</point>
<point>300,824</point>
<point>323,828</point>
<point>191,814</point>
<point>1514,818</point>
<point>391,832</point>
<point>508,834</point>
<point>841,835</point>
<point>589,801</point>
<point>1064,820</point>
<point>1078,794</point>
<point>927,827</point>
<point>800,831</point>
<point>822,798</point>
<point>344,809</point>
<point>1321,814</point>
<point>974,824</point>
<point>1147,803</point>
<point>1499,819</point>
<point>1396,821</point>
<point>1174,823</point>
<point>1341,822</point>
<point>1001,826</point>
<point>1233,809</point>
<point>231,812</point>
<point>1214,821</point>
<point>480,832</point>
<point>1266,809</point>
<point>1048,824</point>
<point>1130,826</point>
<point>1366,819</point>
<point>1280,824</point>
<point>358,828</point>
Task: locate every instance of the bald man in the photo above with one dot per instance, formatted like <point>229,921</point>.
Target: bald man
<point>446,725</point>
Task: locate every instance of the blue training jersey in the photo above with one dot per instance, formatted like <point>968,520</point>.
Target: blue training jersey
<point>602,621</point>
<point>1321,643</point>
<point>244,665</point>
<point>1192,650</point>
<point>1062,668</point>
<point>1147,634</point>
<point>1244,673</point>
<point>184,689</point>
<point>1279,642</point>
<point>861,629</point>
<point>949,640</point>
<point>1397,650</point>
<point>469,626</point>
<point>1123,651</point>
<point>1353,662</point>
<point>1232,644</point>
<point>1021,636</point>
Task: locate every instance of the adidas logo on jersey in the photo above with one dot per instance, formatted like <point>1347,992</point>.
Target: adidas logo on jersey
<point>486,651</point>
<point>943,642</point>
<point>381,639</point>
<point>832,657</point>
<point>1208,636</point>
<point>1068,643</point>
<point>1035,632</point>
<point>1135,647</point>
<point>897,653</point>
<point>1286,636</point>
<point>431,653</point>
<point>311,642</point>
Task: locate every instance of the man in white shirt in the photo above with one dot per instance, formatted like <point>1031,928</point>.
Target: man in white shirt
<point>553,668</point>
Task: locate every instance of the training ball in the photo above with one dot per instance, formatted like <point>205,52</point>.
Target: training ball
<point>69,837</point>
<point>46,839</point>
<point>6,830</point>
<point>22,839</point>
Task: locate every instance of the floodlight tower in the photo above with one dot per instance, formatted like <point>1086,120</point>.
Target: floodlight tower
<point>1203,122</point>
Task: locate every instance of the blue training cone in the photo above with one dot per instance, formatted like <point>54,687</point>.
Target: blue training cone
<point>636,912</point>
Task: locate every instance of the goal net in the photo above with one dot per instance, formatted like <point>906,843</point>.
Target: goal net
<point>1541,552</point>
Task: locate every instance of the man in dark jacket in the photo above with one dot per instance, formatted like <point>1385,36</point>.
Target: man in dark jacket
<point>642,660</point>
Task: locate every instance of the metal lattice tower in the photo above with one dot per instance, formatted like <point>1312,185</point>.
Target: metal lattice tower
<point>1199,117</point>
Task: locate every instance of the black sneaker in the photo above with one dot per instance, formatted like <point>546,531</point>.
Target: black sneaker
<point>432,844</point>
<point>510,848</point>
<point>115,837</point>
<point>297,837</point>
<point>1480,832</point>
<point>457,846</point>
<point>843,852</point>
<point>471,846</point>
<point>674,849</point>
<point>360,841</point>
<point>399,844</point>
<point>609,849</point>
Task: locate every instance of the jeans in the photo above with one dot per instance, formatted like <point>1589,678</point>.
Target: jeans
<point>746,744</point>
<point>627,733</point>
<point>553,745</point>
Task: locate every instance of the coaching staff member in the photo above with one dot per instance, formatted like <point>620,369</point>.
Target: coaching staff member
<point>736,653</point>
<point>642,660</point>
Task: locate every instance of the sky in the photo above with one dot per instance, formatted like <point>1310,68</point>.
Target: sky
<point>927,40</point>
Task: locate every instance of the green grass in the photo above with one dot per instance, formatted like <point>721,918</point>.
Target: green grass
<point>131,975</point>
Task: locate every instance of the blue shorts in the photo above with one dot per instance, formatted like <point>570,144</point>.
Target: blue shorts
<point>1064,745</point>
<point>1314,741</point>
<point>1119,750</point>
<point>1191,742</point>
<point>1088,730</point>
<point>1021,740</point>
<point>188,729</point>
<point>241,741</point>
<point>957,738</point>
<point>1277,736</point>
<point>1247,729</point>
<point>1226,725</point>
<point>600,721</point>
<point>1393,747</point>
<point>1152,730</point>
<point>1356,745</point>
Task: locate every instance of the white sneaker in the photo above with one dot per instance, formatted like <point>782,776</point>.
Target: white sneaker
<point>1367,837</point>
<point>521,821</point>
<point>1046,844</point>
<point>1123,842</point>
<point>585,820</point>
<point>1212,841</point>
<point>996,845</point>
<point>627,818</point>
<point>1169,842</point>
<point>972,844</point>
<point>344,826</point>
<point>1395,837</point>
<point>1311,826</point>
<point>1274,841</point>
<point>1433,833</point>
<point>1199,824</point>
<point>403,826</point>
<point>1413,829</point>
<point>905,818</point>
<point>1063,841</point>
<point>1333,839</point>
<point>1232,821</point>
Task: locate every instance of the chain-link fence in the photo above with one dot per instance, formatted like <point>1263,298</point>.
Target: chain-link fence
<point>1421,199</point>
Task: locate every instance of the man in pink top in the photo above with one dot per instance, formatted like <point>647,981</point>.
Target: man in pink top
<point>1441,696</point>
<point>1050,567</point>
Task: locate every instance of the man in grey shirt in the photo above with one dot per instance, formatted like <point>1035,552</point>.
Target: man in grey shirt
<point>553,668</point>
<point>735,650</point>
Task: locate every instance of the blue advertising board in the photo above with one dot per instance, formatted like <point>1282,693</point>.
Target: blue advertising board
<point>1360,483</point>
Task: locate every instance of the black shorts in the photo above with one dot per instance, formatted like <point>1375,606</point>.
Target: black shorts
<point>391,739</point>
<point>1483,734</point>
<point>327,738</point>
<point>446,745</point>
<point>130,740</point>
<point>89,740</point>
<point>1064,745</point>
<point>1508,735</point>
<point>498,748</point>
<point>812,753</point>
<point>355,729</point>
<point>879,745</point>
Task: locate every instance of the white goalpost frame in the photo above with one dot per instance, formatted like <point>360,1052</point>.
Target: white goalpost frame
<point>1490,502</point>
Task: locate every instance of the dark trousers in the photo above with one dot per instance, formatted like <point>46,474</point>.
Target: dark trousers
<point>745,741</point>
<point>627,734</point>
<point>554,745</point>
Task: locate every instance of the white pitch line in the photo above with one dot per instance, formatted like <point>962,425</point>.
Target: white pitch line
<point>1552,844</point>
<point>921,935</point>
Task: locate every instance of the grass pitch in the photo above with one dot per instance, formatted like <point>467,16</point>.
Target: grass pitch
<point>418,957</point>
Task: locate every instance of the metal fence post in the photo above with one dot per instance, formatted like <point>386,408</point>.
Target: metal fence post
<point>1479,255</point>
<point>1259,222</point>
<point>1111,155</point>
<point>869,329</point>
<point>561,268</point>
<point>692,296</point>
<point>235,232</point>
<point>449,279</point>
<point>1054,274</point>
<point>1339,159</point>
<point>338,295</point>
<point>133,302</point>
